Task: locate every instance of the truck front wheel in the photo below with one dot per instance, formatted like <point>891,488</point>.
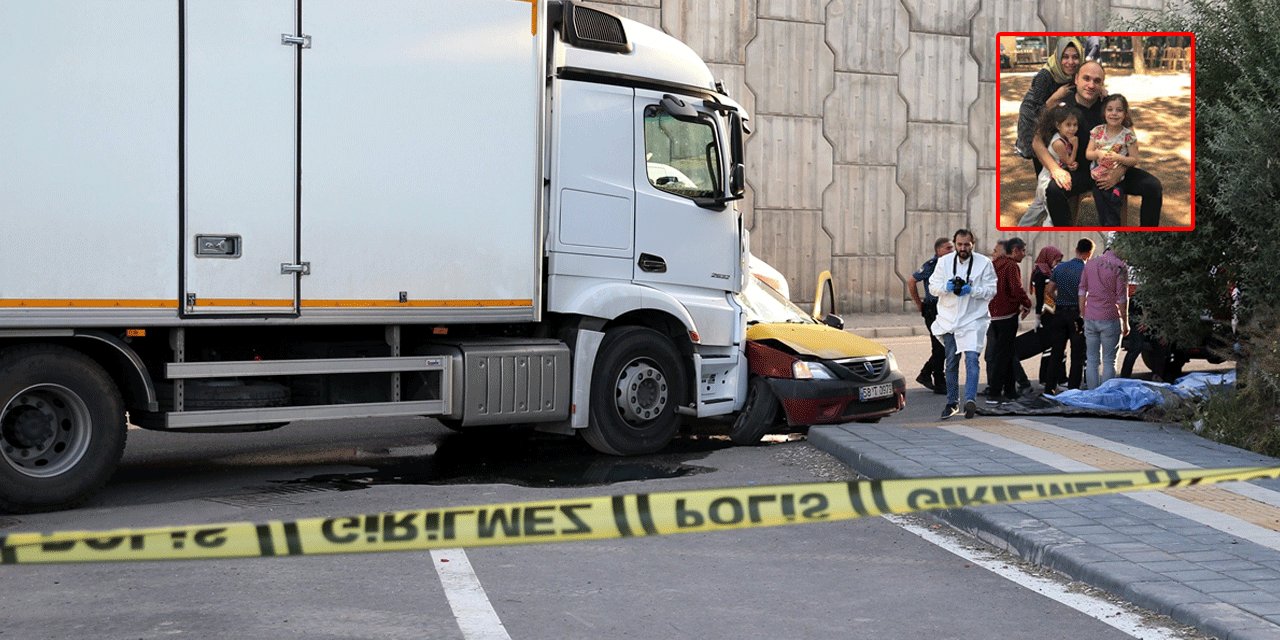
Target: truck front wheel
<point>637,383</point>
<point>62,428</point>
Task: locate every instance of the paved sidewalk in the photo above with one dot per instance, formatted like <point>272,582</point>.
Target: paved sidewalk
<point>1206,556</point>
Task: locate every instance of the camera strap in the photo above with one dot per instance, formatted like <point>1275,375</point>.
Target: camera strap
<point>955,267</point>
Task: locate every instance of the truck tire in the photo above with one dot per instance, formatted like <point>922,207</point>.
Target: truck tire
<point>637,383</point>
<point>758,415</point>
<point>62,428</point>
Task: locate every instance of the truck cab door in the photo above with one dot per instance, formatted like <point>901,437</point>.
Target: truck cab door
<point>679,242</point>
<point>239,150</point>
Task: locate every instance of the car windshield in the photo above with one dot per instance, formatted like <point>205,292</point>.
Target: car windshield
<point>764,304</point>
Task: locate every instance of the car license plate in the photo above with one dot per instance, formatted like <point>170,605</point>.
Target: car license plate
<point>875,391</point>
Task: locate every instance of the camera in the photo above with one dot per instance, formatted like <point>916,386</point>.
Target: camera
<point>958,283</point>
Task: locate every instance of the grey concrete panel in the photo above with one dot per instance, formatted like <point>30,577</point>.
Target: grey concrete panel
<point>938,78</point>
<point>789,68</point>
<point>942,16</point>
<point>718,30</point>
<point>795,243</point>
<point>1123,17</point>
<point>795,10</point>
<point>655,4</point>
<point>867,285</point>
<point>937,166</point>
<point>648,15</point>
<point>867,35</point>
<point>1150,5</point>
<point>994,17</point>
<point>866,119</point>
<point>982,125</point>
<point>864,210</point>
<point>791,162</point>
<point>1074,15</point>
<point>982,205</point>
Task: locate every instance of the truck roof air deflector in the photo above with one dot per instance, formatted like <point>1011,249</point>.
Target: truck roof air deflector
<point>587,28</point>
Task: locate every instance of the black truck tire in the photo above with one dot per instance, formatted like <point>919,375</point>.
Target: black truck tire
<point>637,383</point>
<point>62,428</point>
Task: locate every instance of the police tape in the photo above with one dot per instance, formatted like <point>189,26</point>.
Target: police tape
<point>591,518</point>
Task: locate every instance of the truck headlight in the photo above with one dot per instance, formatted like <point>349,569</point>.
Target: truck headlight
<point>802,370</point>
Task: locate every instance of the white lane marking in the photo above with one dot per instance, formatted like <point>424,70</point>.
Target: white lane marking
<point>1208,517</point>
<point>1150,457</point>
<point>1094,607</point>
<point>471,607</point>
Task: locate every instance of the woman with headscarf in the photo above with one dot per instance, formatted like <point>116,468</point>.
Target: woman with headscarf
<point>1058,72</point>
<point>1046,260</point>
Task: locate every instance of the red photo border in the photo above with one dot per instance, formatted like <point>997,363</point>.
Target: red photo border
<point>1191,64</point>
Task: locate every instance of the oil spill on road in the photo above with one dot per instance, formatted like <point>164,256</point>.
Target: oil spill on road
<point>533,461</point>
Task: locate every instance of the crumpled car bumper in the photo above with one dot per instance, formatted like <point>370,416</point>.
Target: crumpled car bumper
<point>810,402</point>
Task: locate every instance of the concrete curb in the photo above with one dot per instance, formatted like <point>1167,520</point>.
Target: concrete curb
<point>1046,546</point>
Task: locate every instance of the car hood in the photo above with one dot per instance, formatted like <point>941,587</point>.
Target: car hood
<point>817,340</point>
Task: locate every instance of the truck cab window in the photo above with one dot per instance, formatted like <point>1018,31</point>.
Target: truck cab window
<point>682,157</point>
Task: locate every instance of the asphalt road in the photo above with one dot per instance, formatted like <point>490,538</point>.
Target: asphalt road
<point>860,579</point>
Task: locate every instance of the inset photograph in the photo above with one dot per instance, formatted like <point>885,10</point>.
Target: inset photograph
<point>1096,131</point>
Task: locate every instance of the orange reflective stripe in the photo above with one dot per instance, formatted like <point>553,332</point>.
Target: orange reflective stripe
<point>54,303</point>
<point>417,303</point>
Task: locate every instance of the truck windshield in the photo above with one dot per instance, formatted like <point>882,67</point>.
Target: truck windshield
<point>764,304</point>
<point>682,157</point>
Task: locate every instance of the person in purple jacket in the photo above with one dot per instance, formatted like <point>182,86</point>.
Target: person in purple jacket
<point>1104,305</point>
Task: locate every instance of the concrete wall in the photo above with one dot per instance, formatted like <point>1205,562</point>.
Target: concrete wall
<point>873,124</point>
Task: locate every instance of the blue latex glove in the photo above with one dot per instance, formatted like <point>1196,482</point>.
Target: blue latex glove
<point>951,285</point>
<point>965,290</point>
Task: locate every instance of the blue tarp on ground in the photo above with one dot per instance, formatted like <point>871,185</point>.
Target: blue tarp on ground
<point>1127,394</point>
<point>1118,397</point>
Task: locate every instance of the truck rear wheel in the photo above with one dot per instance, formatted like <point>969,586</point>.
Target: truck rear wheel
<point>62,428</point>
<point>637,383</point>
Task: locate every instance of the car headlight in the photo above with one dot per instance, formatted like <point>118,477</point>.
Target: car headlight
<point>802,370</point>
<point>893,362</point>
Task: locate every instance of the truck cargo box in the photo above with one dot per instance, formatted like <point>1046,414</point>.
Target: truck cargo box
<point>313,162</point>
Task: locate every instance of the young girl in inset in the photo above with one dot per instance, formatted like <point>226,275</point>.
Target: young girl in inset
<point>1057,128</point>
<point>1110,144</point>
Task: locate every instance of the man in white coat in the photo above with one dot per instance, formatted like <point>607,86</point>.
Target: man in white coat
<point>964,282</point>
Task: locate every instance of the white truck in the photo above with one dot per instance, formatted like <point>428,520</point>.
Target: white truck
<point>227,215</point>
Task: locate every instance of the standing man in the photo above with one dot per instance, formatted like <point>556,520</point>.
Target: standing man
<point>1010,304</point>
<point>1086,97</point>
<point>963,282</point>
<point>932,375</point>
<point>1065,324</point>
<point>1104,305</point>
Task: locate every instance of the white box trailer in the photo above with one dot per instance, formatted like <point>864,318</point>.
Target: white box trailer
<point>227,215</point>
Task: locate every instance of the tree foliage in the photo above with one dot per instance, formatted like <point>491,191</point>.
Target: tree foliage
<point>1236,241</point>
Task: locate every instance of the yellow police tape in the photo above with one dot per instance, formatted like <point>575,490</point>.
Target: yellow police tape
<point>592,518</point>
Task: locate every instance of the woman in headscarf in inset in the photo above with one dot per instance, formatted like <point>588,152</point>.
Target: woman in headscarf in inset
<point>1058,72</point>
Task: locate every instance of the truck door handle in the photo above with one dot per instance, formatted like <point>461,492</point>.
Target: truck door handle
<point>652,264</point>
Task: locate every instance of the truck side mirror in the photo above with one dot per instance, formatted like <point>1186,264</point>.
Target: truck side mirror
<point>738,177</point>
<point>679,109</point>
